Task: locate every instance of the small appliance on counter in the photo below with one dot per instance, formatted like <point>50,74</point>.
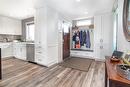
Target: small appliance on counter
<point>116,56</point>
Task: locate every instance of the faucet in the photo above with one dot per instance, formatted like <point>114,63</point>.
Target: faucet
<point>6,40</point>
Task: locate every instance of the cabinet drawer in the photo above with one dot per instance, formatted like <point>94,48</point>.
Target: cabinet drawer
<point>40,59</point>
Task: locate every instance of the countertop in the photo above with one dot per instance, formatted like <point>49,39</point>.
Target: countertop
<point>7,44</point>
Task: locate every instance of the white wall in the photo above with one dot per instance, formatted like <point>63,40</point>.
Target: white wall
<point>122,43</point>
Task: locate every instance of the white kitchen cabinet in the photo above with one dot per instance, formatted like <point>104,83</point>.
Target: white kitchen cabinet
<point>46,36</point>
<point>19,50</point>
<point>40,55</point>
<point>103,35</point>
<point>6,50</point>
<point>10,26</point>
<point>40,59</point>
<point>1,25</point>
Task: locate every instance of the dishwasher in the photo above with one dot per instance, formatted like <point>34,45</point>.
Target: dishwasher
<point>30,53</point>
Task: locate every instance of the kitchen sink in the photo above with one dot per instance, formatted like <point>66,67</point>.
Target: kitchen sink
<point>123,70</point>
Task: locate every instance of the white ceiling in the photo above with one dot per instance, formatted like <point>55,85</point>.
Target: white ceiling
<point>75,10</point>
<point>71,8</point>
<point>19,9</point>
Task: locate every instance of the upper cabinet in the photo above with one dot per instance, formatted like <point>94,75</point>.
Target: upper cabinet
<point>10,26</point>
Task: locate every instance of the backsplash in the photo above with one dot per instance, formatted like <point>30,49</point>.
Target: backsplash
<point>9,37</point>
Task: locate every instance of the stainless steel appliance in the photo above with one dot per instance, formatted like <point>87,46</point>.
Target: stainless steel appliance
<point>30,52</point>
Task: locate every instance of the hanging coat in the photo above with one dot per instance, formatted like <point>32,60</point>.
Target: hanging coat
<point>74,37</point>
<point>77,42</point>
<point>83,38</point>
<point>88,43</point>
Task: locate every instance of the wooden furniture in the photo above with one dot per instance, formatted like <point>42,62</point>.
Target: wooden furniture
<point>111,75</point>
<point>0,66</point>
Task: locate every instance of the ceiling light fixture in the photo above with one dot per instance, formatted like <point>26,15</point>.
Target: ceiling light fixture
<point>78,0</point>
<point>86,12</point>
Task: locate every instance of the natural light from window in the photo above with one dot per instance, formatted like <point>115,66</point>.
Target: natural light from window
<point>84,22</point>
<point>30,28</point>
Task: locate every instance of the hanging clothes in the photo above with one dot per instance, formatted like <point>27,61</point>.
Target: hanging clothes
<point>88,43</point>
<point>77,40</point>
<point>74,39</point>
<point>83,38</point>
<point>74,36</point>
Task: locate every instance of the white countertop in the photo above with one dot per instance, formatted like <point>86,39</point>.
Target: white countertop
<point>7,44</point>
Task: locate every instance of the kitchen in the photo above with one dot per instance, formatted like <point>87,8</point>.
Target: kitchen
<point>12,42</point>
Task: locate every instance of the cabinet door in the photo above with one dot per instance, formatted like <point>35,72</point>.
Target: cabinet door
<point>14,51</point>
<point>10,26</point>
<point>7,51</point>
<point>37,28</point>
<point>40,59</point>
<point>1,25</point>
<point>103,35</point>
<point>107,35</point>
<point>97,36</point>
<point>20,51</point>
<point>23,52</point>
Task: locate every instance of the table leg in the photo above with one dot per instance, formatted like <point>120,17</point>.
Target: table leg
<point>0,66</point>
<point>105,76</point>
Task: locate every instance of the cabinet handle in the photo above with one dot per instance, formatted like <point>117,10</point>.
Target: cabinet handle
<point>39,59</point>
<point>101,40</point>
<point>21,49</point>
<point>101,47</point>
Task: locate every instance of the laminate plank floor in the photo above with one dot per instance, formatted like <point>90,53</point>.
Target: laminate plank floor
<point>18,73</point>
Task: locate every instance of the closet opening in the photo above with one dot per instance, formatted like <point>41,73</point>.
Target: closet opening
<point>82,35</point>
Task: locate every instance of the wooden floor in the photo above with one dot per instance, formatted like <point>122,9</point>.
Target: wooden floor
<point>18,73</point>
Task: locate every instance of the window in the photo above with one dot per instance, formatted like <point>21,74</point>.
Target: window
<point>66,28</point>
<point>30,28</point>
<point>84,22</point>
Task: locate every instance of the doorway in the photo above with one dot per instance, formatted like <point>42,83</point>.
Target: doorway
<point>66,41</point>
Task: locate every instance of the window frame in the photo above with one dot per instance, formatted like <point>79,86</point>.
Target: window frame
<point>91,19</point>
<point>26,24</point>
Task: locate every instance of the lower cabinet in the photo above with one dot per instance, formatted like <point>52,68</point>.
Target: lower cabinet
<point>40,59</point>
<point>40,56</point>
<point>6,50</point>
<point>19,51</point>
<point>46,56</point>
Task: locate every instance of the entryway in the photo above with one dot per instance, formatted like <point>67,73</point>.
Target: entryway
<point>66,40</point>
